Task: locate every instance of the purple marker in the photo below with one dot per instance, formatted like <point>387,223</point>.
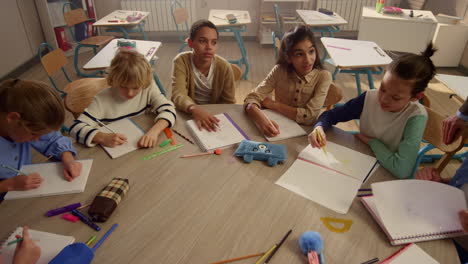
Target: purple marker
<point>62,210</point>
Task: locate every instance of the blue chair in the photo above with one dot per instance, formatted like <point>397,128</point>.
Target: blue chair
<point>75,22</point>
<point>180,16</point>
<point>277,34</point>
<point>434,137</point>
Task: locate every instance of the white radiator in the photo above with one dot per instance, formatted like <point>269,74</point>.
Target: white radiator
<point>160,17</point>
<point>351,10</point>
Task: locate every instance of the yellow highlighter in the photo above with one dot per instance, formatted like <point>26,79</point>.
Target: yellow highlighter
<point>321,141</point>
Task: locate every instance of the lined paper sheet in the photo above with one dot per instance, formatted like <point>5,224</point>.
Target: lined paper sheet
<point>50,244</point>
<point>54,183</point>
<point>130,130</point>
<point>331,180</point>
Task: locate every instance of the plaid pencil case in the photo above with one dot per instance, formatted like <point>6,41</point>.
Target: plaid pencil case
<point>107,200</point>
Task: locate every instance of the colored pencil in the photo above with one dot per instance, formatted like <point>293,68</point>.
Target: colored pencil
<point>102,124</point>
<point>279,245</point>
<point>13,169</point>
<point>260,260</point>
<point>239,258</point>
<point>184,137</point>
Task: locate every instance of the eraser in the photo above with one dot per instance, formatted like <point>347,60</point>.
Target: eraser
<point>70,217</point>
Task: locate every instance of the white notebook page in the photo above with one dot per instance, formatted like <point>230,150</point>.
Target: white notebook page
<point>411,255</point>
<point>50,244</point>
<point>130,130</point>
<point>288,128</point>
<point>54,183</point>
<point>226,135</point>
<point>417,207</point>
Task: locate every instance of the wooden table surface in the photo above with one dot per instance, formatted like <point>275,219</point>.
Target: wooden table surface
<point>210,208</point>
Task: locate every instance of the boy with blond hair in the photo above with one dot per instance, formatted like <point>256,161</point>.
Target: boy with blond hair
<point>131,91</point>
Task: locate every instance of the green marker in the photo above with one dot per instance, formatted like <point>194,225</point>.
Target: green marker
<point>91,240</point>
<point>167,141</point>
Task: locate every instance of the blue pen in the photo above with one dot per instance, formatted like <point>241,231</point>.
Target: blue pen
<point>85,220</point>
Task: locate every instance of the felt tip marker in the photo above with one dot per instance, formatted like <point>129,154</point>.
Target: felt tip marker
<point>85,220</point>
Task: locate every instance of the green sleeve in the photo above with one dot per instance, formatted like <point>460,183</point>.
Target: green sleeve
<point>401,163</point>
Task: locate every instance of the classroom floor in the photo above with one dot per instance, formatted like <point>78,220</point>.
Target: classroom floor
<point>261,59</point>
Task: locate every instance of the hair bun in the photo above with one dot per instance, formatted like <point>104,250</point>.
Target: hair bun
<point>429,51</point>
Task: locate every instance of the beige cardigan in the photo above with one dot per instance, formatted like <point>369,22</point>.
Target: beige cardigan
<point>183,82</point>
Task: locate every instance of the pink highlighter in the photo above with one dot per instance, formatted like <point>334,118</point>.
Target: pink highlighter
<point>70,217</point>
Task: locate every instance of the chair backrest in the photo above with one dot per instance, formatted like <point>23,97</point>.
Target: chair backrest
<point>52,62</point>
<point>75,16</point>
<point>237,72</point>
<point>80,94</point>
<point>434,134</point>
<point>334,95</point>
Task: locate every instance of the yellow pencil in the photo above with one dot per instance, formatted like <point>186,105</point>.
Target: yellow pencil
<point>260,260</point>
<point>320,139</point>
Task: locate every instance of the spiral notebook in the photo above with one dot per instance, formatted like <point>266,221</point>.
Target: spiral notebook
<point>330,179</point>
<point>50,244</point>
<point>410,254</point>
<point>227,134</point>
<point>131,130</point>
<point>54,183</point>
<point>415,210</point>
<point>288,128</point>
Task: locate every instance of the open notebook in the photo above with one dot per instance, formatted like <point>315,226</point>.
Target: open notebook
<point>288,128</point>
<point>50,244</point>
<point>331,180</point>
<point>410,254</point>
<point>228,134</point>
<point>54,183</point>
<point>416,210</point>
<point>131,130</point>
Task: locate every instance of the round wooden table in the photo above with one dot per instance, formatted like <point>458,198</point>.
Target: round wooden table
<point>209,208</point>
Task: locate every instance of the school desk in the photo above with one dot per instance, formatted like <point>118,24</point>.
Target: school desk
<point>117,22</point>
<point>209,208</point>
<point>398,32</point>
<point>322,23</point>
<point>218,17</point>
<point>104,57</point>
<point>357,57</point>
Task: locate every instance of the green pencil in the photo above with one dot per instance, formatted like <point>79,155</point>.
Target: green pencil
<point>12,169</point>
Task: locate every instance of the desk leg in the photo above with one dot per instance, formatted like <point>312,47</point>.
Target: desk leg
<point>243,60</point>
<point>370,78</point>
<point>125,33</point>
<point>140,27</point>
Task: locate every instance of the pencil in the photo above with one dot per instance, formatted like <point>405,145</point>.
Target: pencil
<point>19,240</point>
<point>102,124</point>
<point>279,245</point>
<point>184,137</point>
<point>239,258</point>
<point>319,136</point>
<point>260,260</point>
<point>13,169</point>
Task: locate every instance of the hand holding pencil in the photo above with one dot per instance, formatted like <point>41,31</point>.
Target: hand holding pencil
<point>317,138</point>
<point>26,250</point>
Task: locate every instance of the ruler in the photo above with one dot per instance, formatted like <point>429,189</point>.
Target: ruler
<point>158,153</point>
